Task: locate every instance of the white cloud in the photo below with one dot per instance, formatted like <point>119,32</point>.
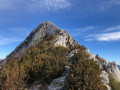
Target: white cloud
<point>8,4</point>
<point>78,31</point>
<point>85,28</point>
<point>109,34</point>
<point>88,39</point>
<point>112,28</point>
<point>108,4</point>
<point>35,4</point>
<point>114,36</point>
<point>5,4</point>
<point>5,41</point>
<point>56,4</point>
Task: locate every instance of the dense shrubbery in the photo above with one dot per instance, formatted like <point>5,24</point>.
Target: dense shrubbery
<point>13,76</point>
<point>115,85</point>
<point>84,74</point>
<point>42,62</point>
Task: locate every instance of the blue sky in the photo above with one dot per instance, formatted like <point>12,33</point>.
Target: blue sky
<point>93,23</point>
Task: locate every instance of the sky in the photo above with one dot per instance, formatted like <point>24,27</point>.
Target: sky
<point>93,23</point>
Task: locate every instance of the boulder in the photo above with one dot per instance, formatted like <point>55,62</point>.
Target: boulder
<point>91,55</point>
<point>58,84</point>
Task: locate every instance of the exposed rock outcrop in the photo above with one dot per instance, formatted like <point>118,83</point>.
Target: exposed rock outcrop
<point>71,54</point>
<point>92,55</point>
<point>105,78</point>
<point>58,84</point>
<point>112,68</point>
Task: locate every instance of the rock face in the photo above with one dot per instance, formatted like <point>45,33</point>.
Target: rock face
<point>43,31</point>
<point>71,54</point>
<point>110,67</point>
<point>92,55</point>
<point>57,84</point>
<point>105,78</point>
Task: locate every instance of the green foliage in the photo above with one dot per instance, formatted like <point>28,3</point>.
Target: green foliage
<point>115,85</point>
<point>42,62</point>
<point>46,68</point>
<point>84,74</point>
<point>46,62</point>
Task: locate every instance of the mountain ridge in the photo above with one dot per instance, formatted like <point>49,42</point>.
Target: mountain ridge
<point>46,33</point>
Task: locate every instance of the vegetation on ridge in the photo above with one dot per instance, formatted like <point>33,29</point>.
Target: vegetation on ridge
<point>114,84</point>
<point>42,62</point>
<point>84,74</point>
<point>45,62</point>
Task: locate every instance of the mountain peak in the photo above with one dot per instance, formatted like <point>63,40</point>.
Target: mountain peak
<point>48,22</point>
<point>43,31</point>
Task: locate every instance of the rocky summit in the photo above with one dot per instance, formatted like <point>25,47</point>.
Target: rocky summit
<point>50,59</point>
<point>41,32</point>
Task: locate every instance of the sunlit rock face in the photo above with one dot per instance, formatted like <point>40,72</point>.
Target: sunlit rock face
<point>105,78</point>
<point>45,30</point>
<point>91,55</point>
<point>112,68</point>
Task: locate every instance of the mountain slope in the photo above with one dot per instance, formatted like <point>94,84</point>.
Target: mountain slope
<point>43,31</point>
<point>50,59</point>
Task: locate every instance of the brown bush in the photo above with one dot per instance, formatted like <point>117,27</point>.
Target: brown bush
<point>13,77</point>
<point>84,75</point>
